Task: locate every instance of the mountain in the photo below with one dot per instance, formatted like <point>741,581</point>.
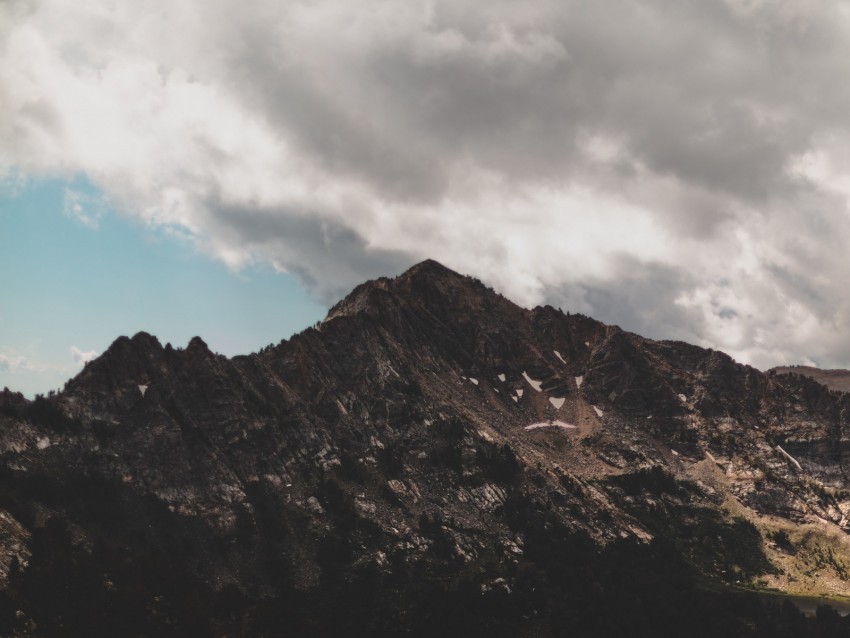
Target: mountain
<point>429,458</point>
<point>833,379</point>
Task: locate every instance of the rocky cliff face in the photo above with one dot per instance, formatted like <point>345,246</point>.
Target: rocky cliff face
<point>430,457</point>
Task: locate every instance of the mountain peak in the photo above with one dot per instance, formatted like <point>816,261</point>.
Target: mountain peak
<point>428,281</point>
<point>131,346</point>
<point>430,267</point>
<point>435,428</point>
<point>196,343</point>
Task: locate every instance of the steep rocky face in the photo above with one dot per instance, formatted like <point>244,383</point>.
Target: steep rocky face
<point>430,457</point>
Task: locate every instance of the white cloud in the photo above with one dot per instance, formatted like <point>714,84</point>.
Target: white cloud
<point>12,363</point>
<point>86,209</point>
<point>665,167</point>
<point>18,363</point>
<point>34,373</point>
<point>82,356</point>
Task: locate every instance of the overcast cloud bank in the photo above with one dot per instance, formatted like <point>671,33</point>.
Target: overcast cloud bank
<point>679,168</point>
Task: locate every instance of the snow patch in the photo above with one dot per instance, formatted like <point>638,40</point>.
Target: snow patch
<point>579,381</point>
<point>43,443</point>
<point>519,392</point>
<point>558,354</point>
<point>557,402</point>
<point>534,384</point>
<point>475,381</point>
<point>502,378</point>
<point>790,458</point>
<point>550,424</point>
<point>599,412</point>
<point>587,343</point>
<point>143,389</point>
<point>674,452</point>
<point>683,398</point>
<point>515,399</point>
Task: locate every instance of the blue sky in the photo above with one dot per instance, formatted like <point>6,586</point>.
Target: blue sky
<point>69,284</point>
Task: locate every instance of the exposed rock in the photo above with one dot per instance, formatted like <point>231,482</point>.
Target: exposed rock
<point>357,446</point>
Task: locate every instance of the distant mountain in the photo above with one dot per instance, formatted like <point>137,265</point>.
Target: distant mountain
<point>430,459</point>
<point>833,379</point>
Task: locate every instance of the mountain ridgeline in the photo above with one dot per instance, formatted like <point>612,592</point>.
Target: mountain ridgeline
<point>429,458</point>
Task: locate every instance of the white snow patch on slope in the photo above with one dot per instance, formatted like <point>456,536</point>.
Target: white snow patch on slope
<point>599,412</point>
<point>534,384</point>
<point>578,381</point>
<point>475,381</point>
<point>558,354</point>
<point>789,457</point>
<point>557,402</point>
<point>502,378</point>
<point>43,443</point>
<point>515,399</point>
<point>519,392</point>
<point>587,343</point>
<point>550,424</point>
<point>143,389</point>
<point>683,398</point>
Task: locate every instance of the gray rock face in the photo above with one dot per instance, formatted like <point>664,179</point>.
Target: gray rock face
<point>362,444</point>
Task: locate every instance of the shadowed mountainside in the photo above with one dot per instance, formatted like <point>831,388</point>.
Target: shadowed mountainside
<point>431,457</point>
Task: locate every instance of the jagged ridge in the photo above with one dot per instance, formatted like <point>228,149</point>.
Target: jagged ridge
<point>392,440</point>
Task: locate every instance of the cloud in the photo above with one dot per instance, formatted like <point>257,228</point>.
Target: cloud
<point>19,363</point>
<point>82,356</point>
<point>86,209</point>
<point>12,363</point>
<point>34,374</point>
<point>679,169</point>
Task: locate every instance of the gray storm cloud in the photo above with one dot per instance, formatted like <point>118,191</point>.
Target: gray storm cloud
<point>677,168</point>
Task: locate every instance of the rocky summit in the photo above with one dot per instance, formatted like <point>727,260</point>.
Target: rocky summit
<point>429,459</point>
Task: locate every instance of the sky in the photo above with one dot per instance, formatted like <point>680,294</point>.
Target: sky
<point>230,169</point>
<point>75,276</point>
